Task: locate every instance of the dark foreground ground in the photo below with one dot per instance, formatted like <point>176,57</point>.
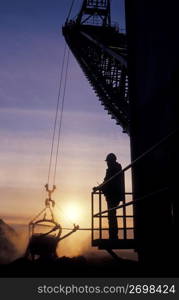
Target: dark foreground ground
<point>81,267</point>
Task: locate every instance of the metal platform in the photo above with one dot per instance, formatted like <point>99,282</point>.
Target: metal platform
<point>114,244</point>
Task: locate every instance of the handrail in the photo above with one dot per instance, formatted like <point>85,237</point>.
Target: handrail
<point>130,202</point>
<point>98,191</point>
<point>97,229</point>
<point>115,55</point>
<point>138,158</point>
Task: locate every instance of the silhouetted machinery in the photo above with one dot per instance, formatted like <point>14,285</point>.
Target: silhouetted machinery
<point>101,50</point>
<point>43,244</point>
<point>148,58</point>
<point>153,66</point>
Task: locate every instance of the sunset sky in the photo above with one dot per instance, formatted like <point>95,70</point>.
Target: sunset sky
<point>30,58</point>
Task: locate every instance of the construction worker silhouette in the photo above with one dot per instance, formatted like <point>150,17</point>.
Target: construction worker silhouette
<point>114,192</point>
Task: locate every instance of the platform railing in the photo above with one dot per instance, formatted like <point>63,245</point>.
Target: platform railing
<point>132,203</point>
<point>100,215</point>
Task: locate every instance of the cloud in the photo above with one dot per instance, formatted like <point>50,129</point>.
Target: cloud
<point>31,58</point>
<point>86,139</point>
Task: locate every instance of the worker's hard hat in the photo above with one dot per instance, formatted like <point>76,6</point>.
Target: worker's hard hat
<point>111,157</point>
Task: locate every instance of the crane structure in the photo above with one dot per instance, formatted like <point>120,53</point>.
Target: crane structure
<point>135,78</point>
<point>100,49</point>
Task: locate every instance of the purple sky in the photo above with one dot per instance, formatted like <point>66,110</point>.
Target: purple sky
<point>30,59</point>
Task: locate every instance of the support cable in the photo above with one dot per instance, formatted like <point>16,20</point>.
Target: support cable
<point>70,10</point>
<point>56,115</point>
<point>56,132</point>
<point>61,118</point>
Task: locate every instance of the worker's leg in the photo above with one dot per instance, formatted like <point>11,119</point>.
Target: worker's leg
<point>112,219</point>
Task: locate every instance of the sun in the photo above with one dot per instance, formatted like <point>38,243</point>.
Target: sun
<point>73,212</point>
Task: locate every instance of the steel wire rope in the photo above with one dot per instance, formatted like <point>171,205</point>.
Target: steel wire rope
<point>57,107</point>
<point>56,115</point>
<point>61,113</point>
<point>64,71</point>
<point>70,10</point>
<point>64,66</point>
<point>61,117</point>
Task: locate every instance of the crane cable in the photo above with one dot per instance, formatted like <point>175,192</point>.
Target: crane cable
<point>57,108</point>
<point>70,10</point>
<point>61,117</point>
<point>57,126</point>
<point>63,78</point>
<point>64,70</point>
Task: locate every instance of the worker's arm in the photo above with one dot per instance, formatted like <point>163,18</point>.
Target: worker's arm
<point>100,186</point>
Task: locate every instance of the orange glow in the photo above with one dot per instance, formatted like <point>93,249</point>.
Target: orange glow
<point>73,212</point>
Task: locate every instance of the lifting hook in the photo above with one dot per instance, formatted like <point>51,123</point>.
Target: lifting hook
<point>49,199</point>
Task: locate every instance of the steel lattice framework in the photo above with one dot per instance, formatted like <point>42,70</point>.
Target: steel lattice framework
<point>101,51</point>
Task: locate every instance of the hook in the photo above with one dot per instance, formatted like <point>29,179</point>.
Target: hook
<point>49,199</point>
<point>48,190</point>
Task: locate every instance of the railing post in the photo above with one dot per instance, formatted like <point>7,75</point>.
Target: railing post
<point>124,216</point>
<point>100,217</point>
<point>92,217</point>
